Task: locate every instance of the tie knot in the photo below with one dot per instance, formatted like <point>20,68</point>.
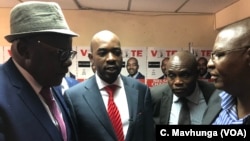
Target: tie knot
<point>183,100</point>
<point>46,94</point>
<point>110,89</point>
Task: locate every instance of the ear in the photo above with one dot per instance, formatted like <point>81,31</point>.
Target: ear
<point>90,55</point>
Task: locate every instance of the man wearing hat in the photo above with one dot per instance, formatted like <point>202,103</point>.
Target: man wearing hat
<point>31,109</point>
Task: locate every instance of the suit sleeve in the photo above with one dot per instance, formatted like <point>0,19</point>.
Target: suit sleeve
<point>149,123</point>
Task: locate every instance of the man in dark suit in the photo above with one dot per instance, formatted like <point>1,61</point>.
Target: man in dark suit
<point>88,100</point>
<point>41,53</point>
<point>182,83</point>
<point>133,67</point>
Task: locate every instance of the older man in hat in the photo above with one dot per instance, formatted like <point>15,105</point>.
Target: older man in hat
<point>30,108</point>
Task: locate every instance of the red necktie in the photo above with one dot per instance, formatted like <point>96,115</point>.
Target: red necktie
<point>114,114</point>
<point>50,101</point>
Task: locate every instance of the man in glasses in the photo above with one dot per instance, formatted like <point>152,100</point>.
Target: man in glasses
<point>230,71</point>
<point>41,52</point>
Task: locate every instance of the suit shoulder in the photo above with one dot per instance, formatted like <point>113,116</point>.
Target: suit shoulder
<point>161,87</point>
<point>77,87</point>
<point>132,81</point>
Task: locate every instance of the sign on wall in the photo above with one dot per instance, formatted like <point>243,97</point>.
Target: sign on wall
<point>83,64</point>
<point>140,53</point>
<point>154,59</point>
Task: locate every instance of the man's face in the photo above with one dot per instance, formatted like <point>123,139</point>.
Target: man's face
<point>164,66</point>
<point>182,77</point>
<point>107,58</point>
<point>202,67</point>
<point>228,64</point>
<point>132,67</point>
<point>48,59</point>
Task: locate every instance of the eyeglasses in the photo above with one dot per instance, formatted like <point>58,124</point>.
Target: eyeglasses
<point>63,54</point>
<point>217,54</point>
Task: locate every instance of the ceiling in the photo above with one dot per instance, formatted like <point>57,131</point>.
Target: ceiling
<point>168,6</point>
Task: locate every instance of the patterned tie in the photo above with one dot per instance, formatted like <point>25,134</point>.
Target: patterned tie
<point>114,114</point>
<point>50,101</point>
<point>184,116</point>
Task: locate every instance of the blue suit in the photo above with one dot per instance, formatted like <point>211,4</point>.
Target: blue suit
<point>91,116</point>
<point>22,115</point>
<point>139,76</point>
<point>70,82</point>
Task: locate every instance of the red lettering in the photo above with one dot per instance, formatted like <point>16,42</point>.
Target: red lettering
<point>170,52</point>
<point>206,53</point>
<point>136,53</point>
<point>84,52</point>
<point>153,53</point>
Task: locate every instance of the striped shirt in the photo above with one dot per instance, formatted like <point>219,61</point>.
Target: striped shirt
<point>228,115</point>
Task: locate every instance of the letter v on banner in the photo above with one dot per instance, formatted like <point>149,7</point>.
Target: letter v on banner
<point>84,52</point>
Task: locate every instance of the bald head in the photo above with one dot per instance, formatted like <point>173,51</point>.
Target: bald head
<point>234,35</point>
<point>230,63</point>
<point>184,58</point>
<point>103,36</point>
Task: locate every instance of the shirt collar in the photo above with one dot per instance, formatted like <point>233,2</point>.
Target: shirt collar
<point>101,84</point>
<point>194,97</point>
<point>34,84</point>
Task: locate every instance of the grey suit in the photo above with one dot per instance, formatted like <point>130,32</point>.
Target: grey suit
<point>213,110</point>
<point>162,98</point>
<point>89,112</point>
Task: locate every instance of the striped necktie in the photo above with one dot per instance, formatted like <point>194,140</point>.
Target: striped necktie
<point>114,114</point>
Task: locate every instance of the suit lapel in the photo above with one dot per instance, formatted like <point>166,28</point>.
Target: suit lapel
<point>132,95</point>
<point>30,100</point>
<point>57,92</point>
<point>167,98</point>
<point>93,98</point>
<point>132,98</point>
<point>36,108</point>
<point>214,108</point>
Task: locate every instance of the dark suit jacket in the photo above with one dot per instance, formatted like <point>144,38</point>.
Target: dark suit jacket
<point>139,76</point>
<point>207,76</point>
<point>162,77</point>
<point>92,120</point>
<point>213,110</point>
<point>22,114</point>
<point>162,98</point>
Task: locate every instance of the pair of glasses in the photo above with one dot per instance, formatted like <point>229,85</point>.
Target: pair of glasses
<point>215,55</point>
<point>64,55</point>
